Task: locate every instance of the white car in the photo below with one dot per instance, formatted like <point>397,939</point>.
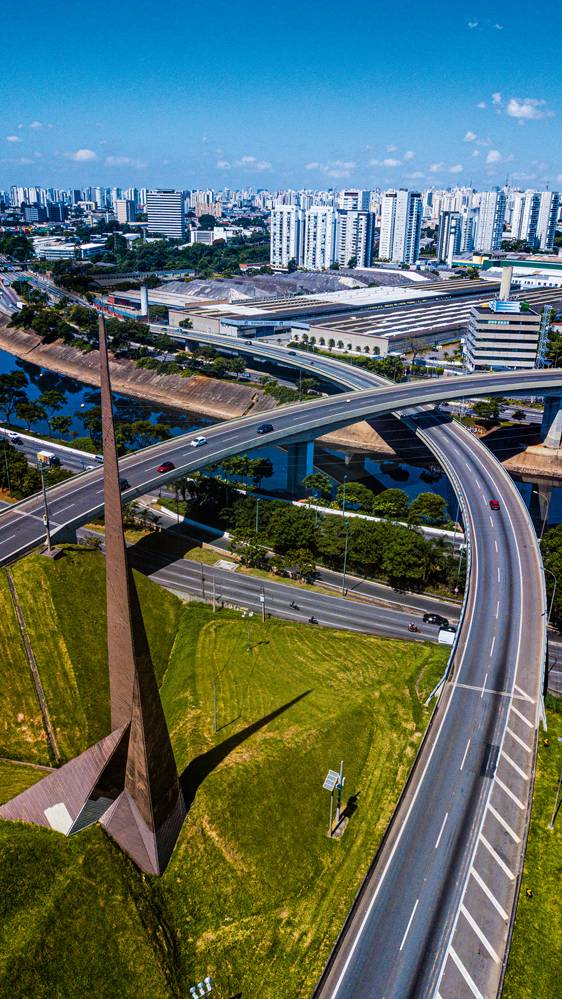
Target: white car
<point>198,441</point>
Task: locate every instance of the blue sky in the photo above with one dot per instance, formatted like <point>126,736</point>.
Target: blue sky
<point>313,94</point>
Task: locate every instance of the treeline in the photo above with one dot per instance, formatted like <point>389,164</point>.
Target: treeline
<point>20,479</point>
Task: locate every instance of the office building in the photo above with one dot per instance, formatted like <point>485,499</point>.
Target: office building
<point>491,217</point>
<point>287,236</point>
<point>354,238</point>
<point>401,217</point>
<point>165,209</point>
<point>34,213</point>
<point>56,211</point>
<point>319,238</point>
<point>547,219</point>
<point>501,334</point>
<point>125,210</point>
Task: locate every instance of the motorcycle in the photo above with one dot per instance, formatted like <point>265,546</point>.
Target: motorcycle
<point>413,627</point>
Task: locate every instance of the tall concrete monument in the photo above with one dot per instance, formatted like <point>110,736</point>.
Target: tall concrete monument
<point>128,781</point>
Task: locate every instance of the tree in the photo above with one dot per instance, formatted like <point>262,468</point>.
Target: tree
<point>19,478</point>
<point>428,508</point>
<point>30,412</point>
<point>357,496</point>
<point>487,410</point>
<point>391,503</point>
<point>404,557</point>
<point>292,266</point>
<point>330,540</point>
<point>186,324</point>
<point>207,222</point>
<point>248,549</point>
<point>290,528</point>
<point>352,262</point>
<point>318,484</point>
<point>91,419</point>
<point>12,391</point>
<point>301,563</point>
<point>61,425</point>
<point>51,400</point>
<point>518,414</point>
<point>143,433</point>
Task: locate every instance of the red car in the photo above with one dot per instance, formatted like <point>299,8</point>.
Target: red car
<point>494,505</point>
<point>166,466</point>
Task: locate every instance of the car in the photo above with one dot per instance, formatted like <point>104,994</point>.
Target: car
<point>196,442</point>
<point>443,622</point>
<point>98,458</point>
<point>124,484</point>
<point>494,504</point>
<point>264,428</point>
<point>166,466</point>
<point>449,627</point>
<point>13,437</point>
<point>89,468</point>
<point>292,353</point>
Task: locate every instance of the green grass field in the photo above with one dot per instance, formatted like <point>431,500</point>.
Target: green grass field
<point>535,959</point>
<point>255,892</point>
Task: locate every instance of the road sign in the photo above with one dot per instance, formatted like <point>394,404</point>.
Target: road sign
<point>332,778</point>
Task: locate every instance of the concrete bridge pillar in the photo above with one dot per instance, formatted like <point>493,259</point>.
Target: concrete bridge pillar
<point>551,427</point>
<point>300,463</point>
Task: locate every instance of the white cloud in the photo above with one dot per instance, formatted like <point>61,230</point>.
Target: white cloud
<point>481,105</point>
<point>437,167</point>
<point>494,156</point>
<point>339,169</point>
<point>391,148</point>
<point>470,136</point>
<point>36,124</point>
<point>498,27</point>
<point>245,163</point>
<point>456,168</point>
<point>472,24</point>
<point>19,161</point>
<point>13,138</point>
<point>83,156</point>
<point>496,98</point>
<point>415,175</point>
<point>389,162</point>
<point>223,165</point>
<point>409,155</point>
<point>476,152</point>
<point>528,108</point>
<point>124,161</point>
<point>559,178</point>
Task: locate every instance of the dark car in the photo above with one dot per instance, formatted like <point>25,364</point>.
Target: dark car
<point>449,627</point>
<point>292,353</point>
<point>494,504</point>
<point>264,428</point>
<point>124,484</point>
<point>166,466</point>
<point>443,622</point>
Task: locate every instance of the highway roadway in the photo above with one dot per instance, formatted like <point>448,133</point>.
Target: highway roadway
<point>433,918</point>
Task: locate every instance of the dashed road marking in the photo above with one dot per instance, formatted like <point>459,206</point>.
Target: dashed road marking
<point>9,538</point>
<point>483,939</point>
<point>438,840</point>
<point>499,575</point>
<point>492,646</point>
<point>488,893</point>
<point>491,520</point>
<point>409,924</point>
<point>497,610</point>
<point>469,981</point>
<point>510,793</point>
<point>493,853</point>
<point>513,764</point>
<point>499,818</point>
<point>63,508</point>
<point>522,717</point>
<point>496,545</point>
<point>517,738</point>
<point>484,685</point>
<point>465,754</point>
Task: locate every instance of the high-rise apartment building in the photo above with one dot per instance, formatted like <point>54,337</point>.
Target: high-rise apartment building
<point>354,238</point>
<point>525,215</point>
<point>354,201</point>
<point>319,238</point>
<point>165,209</point>
<point>547,218</point>
<point>491,217</point>
<point>125,210</point>
<point>287,236</point>
<point>449,236</point>
<point>401,217</point>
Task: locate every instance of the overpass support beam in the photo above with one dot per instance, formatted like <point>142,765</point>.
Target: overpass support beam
<point>300,463</point>
<point>551,427</point>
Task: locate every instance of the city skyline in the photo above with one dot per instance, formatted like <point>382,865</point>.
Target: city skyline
<point>443,95</point>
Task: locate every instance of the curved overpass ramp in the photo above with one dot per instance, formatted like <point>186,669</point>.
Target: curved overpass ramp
<point>433,916</point>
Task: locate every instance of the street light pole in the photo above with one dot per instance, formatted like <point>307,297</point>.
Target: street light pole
<point>550,572</point>
<point>45,509</point>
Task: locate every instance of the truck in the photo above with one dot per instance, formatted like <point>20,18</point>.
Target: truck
<point>48,458</point>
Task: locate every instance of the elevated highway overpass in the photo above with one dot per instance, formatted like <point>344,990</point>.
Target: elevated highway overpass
<point>434,914</point>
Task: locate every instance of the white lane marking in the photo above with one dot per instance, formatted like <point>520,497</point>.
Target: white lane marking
<point>522,717</point>
<point>484,940</point>
<point>513,764</point>
<point>471,984</point>
<point>409,924</point>
<point>484,685</point>
<point>501,863</point>
<point>496,546</point>
<point>499,575</point>
<point>499,818</point>
<point>488,690</point>
<point>497,610</point>
<point>517,739</point>
<point>491,520</point>
<point>467,465</point>
<point>9,538</point>
<point>509,793</point>
<point>98,491</point>
<point>63,508</point>
<point>488,893</point>
<point>465,754</point>
<point>523,694</point>
<point>438,840</point>
<point>492,648</point>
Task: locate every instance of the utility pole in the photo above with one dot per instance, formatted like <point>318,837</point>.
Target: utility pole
<point>177,507</point>
<point>45,509</point>
<point>262,602</point>
<point>341,782</point>
<point>346,538</point>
